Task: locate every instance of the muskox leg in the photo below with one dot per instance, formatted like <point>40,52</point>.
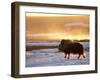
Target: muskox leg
<point>79,56</point>
<point>83,56</point>
<point>68,55</point>
<point>65,55</point>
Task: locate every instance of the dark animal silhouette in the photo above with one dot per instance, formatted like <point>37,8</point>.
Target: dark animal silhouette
<point>68,47</point>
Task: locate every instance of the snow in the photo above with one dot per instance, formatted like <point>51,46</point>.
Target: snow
<point>53,57</point>
<point>43,43</point>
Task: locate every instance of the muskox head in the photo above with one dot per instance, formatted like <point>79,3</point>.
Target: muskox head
<point>63,44</point>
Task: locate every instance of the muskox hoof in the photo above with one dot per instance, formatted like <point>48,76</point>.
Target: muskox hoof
<point>64,56</point>
<point>79,56</point>
<point>83,56</point>
<point>68,57</point>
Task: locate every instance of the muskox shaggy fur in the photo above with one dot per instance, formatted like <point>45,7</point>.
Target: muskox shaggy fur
<point>68,47</point>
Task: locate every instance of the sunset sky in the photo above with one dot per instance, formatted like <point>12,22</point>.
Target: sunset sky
<point>41,26</point>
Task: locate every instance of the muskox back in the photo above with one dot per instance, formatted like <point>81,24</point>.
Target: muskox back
<point>71,47</point>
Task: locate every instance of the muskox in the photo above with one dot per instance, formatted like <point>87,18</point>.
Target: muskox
<point>68,47</point>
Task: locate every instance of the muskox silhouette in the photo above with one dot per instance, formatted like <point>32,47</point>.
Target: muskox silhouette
<point>69,47</point>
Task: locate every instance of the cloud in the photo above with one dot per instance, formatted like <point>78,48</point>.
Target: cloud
<point>76,24</point>
<point>48,34</point>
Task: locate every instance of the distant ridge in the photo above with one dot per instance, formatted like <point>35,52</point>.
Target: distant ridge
<point>84,40</point>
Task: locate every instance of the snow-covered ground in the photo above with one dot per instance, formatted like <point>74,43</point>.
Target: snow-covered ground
<point>52,56</point>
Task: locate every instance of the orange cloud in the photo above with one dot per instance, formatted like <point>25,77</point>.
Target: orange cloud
<point>51,27</point>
